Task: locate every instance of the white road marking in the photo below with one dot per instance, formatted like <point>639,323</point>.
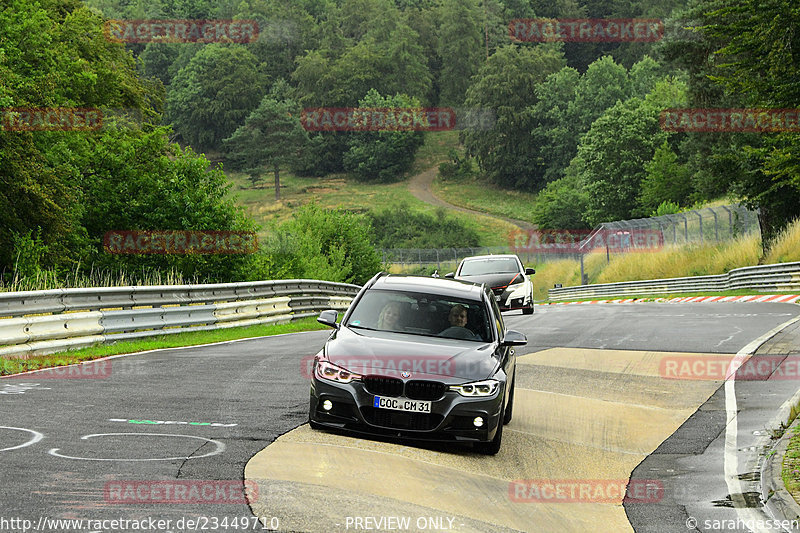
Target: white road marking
<point>36,438</point>
<point>731,458</point>
<point>220,448</point>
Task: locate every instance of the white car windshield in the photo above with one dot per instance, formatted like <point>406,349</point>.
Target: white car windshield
<point>478,267</point>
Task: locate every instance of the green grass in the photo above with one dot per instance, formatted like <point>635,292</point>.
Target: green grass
<point>340,191</point>
<point>486,198</point>
<point>16,365</point>
<point>435,150</point>
<point>790,470</point>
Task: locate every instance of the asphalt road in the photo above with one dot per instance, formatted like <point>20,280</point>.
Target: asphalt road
<point>67,442</point>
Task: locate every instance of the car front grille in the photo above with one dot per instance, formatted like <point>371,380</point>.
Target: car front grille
<point>382,386</point>
<point>400,420</point>
<point>425,390</point>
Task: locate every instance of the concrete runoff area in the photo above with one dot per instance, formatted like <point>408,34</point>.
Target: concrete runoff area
<point>581,416</point>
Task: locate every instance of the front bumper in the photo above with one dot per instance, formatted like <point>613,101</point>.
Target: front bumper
<point>451,418</point>
<point>511,298</point>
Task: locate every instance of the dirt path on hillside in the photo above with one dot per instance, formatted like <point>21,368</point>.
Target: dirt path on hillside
<point>420,187</point>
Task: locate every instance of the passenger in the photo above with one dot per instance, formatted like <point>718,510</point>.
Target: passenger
<point>391,316</point>
<point>458,325</point>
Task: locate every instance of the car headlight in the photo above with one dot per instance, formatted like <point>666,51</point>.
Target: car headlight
<point>331,372</point>
<point>477,388</point>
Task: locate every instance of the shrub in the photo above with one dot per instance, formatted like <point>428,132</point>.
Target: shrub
<point>399,227</point>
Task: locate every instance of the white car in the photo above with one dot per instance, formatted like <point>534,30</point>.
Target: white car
<point>510,282</point>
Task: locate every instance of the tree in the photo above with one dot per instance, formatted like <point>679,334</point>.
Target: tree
<point>460,47</point>
<point>759,61</point>
<point>504,152</point>
<point>55,54</point>
<point>327,244</point>
<point>613,153</point>
<point>211,97</point>
<point>382,156</point>
<point>359,52</point>
<point>603,84</point>
<point>271,137</point>
<point>667,180</point>
<point>552,132</point>
<point>561,204</point>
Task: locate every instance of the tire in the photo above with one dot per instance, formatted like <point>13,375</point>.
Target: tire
<point>493,446</point>
<point>527,310</point>
<point>510,408</point>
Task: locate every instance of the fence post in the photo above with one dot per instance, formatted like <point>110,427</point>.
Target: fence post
<point>716,229</point>
<point>701,224</point>
<point>730,220</point>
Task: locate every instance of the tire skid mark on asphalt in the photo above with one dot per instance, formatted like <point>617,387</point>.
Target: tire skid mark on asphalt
<point>582,433</point>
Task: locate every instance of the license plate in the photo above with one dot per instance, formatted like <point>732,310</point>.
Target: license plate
<point>402,404</point>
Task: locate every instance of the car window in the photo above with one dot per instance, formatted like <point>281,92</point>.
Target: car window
<point>498,316</point>
<point>421,314</point>
<point>478,267</point>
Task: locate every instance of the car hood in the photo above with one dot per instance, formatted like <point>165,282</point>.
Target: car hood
<point>391,354</point>
<point>494,280</point>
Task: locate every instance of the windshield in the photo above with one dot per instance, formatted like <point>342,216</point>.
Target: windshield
<point>421,314</point>
<point>478,267</point>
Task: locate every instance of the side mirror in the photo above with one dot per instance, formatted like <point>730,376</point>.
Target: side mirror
<point>514,338</point>
<point>329,318</point>
<point>450,275</point>
<point>529,272</point>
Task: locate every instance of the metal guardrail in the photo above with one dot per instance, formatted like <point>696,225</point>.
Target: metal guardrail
<point>41,322</point>
<point>769,278</point>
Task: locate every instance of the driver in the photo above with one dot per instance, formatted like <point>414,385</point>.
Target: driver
<point>458,324</point>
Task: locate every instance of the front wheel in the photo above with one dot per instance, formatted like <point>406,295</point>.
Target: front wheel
<point>493,446</point>
<point>527,310</point>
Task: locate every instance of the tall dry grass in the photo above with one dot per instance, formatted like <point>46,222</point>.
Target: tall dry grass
<point>681,261</point>
<point>48,279</point>
<point>786,246</point>
<point>669,262</point>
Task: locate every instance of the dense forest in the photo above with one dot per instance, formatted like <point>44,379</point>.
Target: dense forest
<point>578,122</point>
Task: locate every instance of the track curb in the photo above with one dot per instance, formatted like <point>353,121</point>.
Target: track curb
<point>777,500</point>
<point>751,298</point>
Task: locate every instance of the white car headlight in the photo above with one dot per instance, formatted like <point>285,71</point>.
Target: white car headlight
<point>331,372</point>
<point>477,388</point>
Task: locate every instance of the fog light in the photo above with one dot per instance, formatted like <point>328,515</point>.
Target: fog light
<point>478,422</point>
<point>327,405</point>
